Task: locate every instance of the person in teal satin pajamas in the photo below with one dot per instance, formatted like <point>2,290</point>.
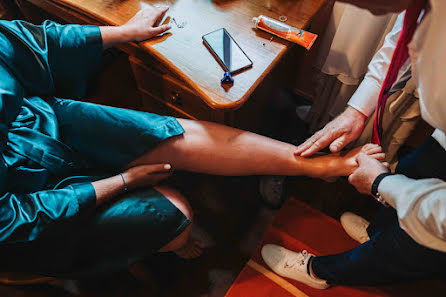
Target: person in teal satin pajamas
<point>65,208</point>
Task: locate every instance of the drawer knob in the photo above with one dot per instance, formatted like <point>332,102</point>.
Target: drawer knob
<point>175,98</point>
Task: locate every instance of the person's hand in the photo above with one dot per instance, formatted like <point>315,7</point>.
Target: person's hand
<point>366,173</point>
<point>142,25</point>
<point>338,133</point>
<point>146,175</point>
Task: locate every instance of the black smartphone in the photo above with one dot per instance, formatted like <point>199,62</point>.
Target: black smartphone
<point>227,52</point>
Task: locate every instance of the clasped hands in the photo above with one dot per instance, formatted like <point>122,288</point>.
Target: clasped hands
<point>336,135</point>
<point>366,173</point>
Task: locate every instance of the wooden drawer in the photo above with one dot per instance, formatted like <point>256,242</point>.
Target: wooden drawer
<point>153,105</point>
<point>174,94</point>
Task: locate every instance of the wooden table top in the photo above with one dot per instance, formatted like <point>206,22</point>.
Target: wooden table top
<point>182,49</point>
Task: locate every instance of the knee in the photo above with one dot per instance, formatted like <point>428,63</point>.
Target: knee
<point>177,199</point>
<point>181,203</point>
<point>195,133</point>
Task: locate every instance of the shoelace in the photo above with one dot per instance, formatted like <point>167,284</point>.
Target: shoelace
<point>299,260</point>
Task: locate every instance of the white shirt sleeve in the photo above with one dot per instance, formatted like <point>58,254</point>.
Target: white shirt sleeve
<point>421,207</point>
<point>366,96</point>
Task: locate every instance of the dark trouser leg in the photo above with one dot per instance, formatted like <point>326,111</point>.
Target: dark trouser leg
<point>384,218</point>
<point>390,255</point>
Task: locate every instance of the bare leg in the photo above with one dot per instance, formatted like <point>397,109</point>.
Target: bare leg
<point>216,149</point>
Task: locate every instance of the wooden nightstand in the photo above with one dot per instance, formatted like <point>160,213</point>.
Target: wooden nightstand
<point>175,72</point>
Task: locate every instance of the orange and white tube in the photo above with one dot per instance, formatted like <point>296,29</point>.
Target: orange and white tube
<point>282,30</point>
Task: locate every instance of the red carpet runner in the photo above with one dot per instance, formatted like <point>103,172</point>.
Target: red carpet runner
<point>298,226</point>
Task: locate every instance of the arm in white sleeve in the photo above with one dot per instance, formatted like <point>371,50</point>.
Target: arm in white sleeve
<point>421,207</point>
<point>366,96</point>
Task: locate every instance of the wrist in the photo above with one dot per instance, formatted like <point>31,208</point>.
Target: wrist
<point>125,33</point>
<point>112,35</point>
<point>127,181</point>
<point>124,183</point>
<point>355,114</point>
<point>377,181</point>
<point>374,190</point>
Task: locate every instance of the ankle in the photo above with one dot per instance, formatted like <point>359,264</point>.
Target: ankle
<point>316,166</point>
<point>339,165</point>
<point>311,271</point>
<point>327,166</point>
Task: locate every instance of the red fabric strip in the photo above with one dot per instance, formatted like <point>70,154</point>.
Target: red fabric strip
<point>399,57</point>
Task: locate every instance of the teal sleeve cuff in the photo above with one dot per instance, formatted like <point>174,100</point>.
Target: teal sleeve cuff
<point>93,38</point>
<point>74,54</point>
<point>86,196</point>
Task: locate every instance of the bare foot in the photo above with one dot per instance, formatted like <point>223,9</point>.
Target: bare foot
<point>191,250</point>
<point>344,163</point>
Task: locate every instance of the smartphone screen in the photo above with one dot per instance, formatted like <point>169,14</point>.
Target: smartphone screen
<point>228,53</point>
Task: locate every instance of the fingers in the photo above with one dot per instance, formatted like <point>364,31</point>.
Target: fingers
<point>339,143</point>
<point>379,156</point>
<point>304,146</point>
<point>361,158</point>
<point>161,29</point>
<point>157,177</point>
<point>386,164</point>
<point>374,151</point>
<point>147,175</point>
<point>159,168</point>
<point>371,148</point>
<point>160,11</point>
<point>323,141</point>
<point>309,142</point>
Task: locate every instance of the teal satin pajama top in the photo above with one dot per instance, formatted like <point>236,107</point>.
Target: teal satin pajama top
<point>38,62</point>
<point>49,222</point>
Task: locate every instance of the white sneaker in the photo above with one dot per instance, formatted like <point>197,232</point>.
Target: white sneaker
<point>290,264</point>
<point>355,226</point>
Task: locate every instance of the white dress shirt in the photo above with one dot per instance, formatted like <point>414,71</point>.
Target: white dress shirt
<point>420,204</point>
<point>366,96</point>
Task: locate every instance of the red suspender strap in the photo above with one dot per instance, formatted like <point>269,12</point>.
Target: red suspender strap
<point>399,57</point>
